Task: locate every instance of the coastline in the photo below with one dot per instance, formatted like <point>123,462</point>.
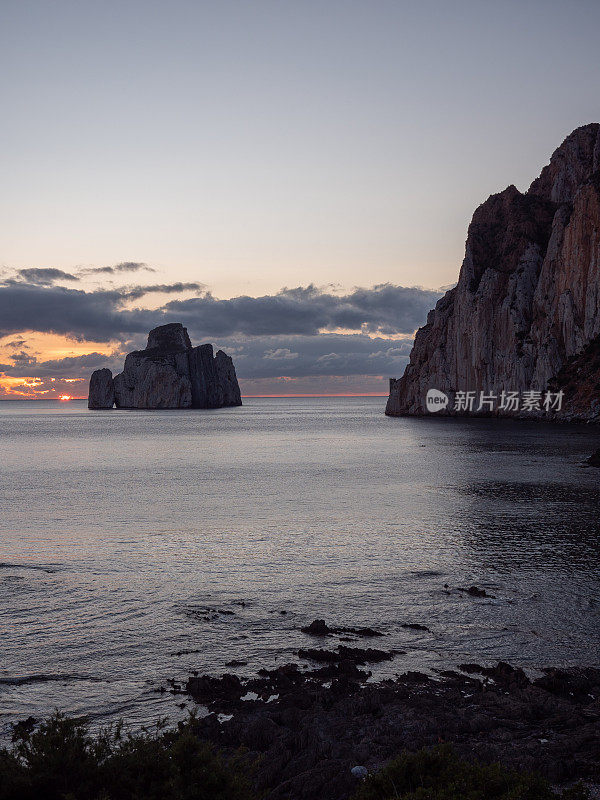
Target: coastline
<point>307,729</point>
<point>331,733</point>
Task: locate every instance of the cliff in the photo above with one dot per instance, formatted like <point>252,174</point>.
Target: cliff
<point>169,373</point>
<point>527,302</point>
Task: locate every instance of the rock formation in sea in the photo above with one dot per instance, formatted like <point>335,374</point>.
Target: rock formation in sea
<point>169,373</point>
<point>102,389</point>
<point>525,313</point>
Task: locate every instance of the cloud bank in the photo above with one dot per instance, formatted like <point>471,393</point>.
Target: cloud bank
<point>298,332</point>
<point>102,314</point>
<point>258,357</point>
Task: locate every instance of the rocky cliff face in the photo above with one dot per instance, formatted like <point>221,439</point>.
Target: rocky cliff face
<point>528,296</point>
<point>169,373</point>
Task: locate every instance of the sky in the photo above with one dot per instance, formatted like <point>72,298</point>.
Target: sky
<point>292,180</point>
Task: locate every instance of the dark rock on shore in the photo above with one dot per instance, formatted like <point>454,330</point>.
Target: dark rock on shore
<point>319,655</point>
<point>577,687</point>
<point>503,674</point>
<point>470,668</point>
<point>322,723</point>
<point>368,655</point>
<point>594,459</point>
<point>205,687</point>
<point>169,373</point>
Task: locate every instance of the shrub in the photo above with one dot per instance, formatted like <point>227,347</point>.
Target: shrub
<point>439,774</point>
<point>61,761</point>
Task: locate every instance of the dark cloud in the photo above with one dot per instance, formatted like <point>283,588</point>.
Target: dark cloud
<point>44,276</point>
<point>22,359</point>
<point>296,333</point>
<point>135,292</point>
<point>70,367</point>
<point>384,309</point>
<point>94,316</point>
<point>124,266</point>
<point>101,315</point>
<point>326,354</point>
<point>256,357</point>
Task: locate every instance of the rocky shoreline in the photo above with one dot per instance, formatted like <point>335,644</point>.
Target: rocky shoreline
<point>304,728</point>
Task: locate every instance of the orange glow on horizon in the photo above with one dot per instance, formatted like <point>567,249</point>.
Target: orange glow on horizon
<point>48,346</point>
<point>64,397</point>
<point>344,394</point>
<point>44,347</point>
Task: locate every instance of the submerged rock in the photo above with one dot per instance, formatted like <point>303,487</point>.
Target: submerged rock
<point>362,631</point>
<point>226,687</point>
<point>169,373</point>
<point>318,627</point>
<point>102,389</point>
<point>475,591</point>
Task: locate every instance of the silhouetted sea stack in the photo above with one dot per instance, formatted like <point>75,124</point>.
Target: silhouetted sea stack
<point>525,314</point>
<point>102,389</point>
<point>169,373</point>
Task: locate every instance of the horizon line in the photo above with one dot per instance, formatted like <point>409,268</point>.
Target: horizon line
<point>315,394</point>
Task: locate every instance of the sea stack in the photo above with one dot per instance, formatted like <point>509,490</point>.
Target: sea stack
<point>102,389</point>
<point>525,314</point>
<point>169,373</point>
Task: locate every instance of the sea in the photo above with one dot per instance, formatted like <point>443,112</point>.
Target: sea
<point>139,546</point>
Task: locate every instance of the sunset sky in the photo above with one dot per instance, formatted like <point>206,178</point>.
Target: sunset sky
<point>291,180</point>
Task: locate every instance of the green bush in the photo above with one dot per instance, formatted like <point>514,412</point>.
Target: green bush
<point>438,774</point>
<point>61,761</point>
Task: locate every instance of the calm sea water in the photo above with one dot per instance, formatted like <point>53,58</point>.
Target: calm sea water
<point>125,535</point>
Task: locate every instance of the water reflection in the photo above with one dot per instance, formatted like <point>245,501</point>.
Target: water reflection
<point>316,507</point>
<point>525,526</point>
